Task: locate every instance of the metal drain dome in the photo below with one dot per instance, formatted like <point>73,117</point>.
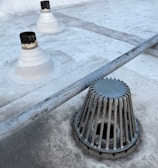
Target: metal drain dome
<point>106,126</point>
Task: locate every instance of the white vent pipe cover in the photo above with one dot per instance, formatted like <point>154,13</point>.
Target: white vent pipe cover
<point>47,22</point>
<point>32,64</point>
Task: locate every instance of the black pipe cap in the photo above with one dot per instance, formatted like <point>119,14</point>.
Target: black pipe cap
<point>27,37</point>
<point>45,5</point>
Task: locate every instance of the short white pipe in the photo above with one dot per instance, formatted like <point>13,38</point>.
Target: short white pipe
<point>32,64</point>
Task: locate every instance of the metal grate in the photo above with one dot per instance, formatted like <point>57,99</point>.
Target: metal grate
<point>106,125</point>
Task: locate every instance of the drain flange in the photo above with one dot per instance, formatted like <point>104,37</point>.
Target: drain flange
<point>106,126</point>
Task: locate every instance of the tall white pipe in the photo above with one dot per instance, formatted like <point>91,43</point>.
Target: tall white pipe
<point>47,23</point>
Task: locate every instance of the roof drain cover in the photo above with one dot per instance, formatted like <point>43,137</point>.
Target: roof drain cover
<point>106,126</point>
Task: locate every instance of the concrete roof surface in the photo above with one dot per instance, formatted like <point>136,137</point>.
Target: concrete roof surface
<point>92,34</point>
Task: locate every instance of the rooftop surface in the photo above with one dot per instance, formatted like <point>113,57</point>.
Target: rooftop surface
<point>93,34</point>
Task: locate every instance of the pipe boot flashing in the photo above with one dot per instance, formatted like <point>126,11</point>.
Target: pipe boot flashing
<point>32,64</point>
<point>47,22</point>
